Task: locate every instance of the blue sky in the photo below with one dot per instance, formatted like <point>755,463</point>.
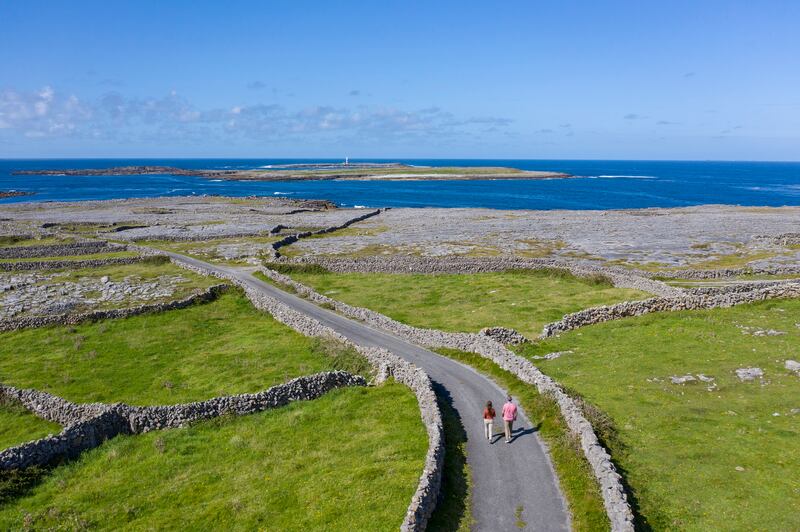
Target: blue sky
<point>530,79</point>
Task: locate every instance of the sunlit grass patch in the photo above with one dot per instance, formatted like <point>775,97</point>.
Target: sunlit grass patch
<point>523,300</point>
<point>704,455</point>
<point>349,460</point>
<point>219,348</point>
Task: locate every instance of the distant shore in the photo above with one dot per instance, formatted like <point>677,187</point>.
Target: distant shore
<point>318,172</point>
<point>13,193</point>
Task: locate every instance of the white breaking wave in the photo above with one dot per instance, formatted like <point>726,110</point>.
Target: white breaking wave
<point>629,176</point>
<point>281,193</point>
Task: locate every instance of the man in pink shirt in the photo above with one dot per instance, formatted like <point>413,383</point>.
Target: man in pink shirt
<point>509,416</point>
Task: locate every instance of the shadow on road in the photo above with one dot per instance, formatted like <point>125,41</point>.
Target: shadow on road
<point>452,511</point>
<point>520,432</point>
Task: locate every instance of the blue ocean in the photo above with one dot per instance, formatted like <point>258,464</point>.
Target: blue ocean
<point>601,184</point>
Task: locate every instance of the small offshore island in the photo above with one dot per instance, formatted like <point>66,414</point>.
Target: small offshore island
<point>319,172</point>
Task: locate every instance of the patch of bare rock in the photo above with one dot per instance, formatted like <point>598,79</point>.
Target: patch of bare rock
<point>33,294</point>
<point>749,374</point>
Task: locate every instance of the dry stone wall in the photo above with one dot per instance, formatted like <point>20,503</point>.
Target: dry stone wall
<point>291,239</point>
<point>60,250</point>
<point>614,497</point>
<point>88,425</point>
<point>723,273</point>
<point>25,322</point>
<point>736,287</point>
<point>75,264</point>
<point>690,301</point>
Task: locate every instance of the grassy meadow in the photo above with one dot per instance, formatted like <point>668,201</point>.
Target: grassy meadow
<point>219,348</point>
<point>698,456</point>
<point>316,465</point>
<point>523,300</point>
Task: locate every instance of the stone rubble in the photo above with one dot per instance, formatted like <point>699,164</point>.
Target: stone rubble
<point>793,365</point>
<point>504,335</point>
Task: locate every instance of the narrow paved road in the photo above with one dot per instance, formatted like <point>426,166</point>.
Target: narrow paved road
<point>512,483</point>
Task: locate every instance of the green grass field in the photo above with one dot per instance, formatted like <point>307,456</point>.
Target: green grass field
<point>347,461</point>
<point>17,425</point>
<point>523,300</point>
<point>223,347</point>
<point>725,458</point>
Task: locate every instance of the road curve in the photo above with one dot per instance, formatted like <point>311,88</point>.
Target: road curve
<point>505,478</point>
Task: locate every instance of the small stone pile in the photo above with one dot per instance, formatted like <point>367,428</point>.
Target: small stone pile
<point>503,335</point>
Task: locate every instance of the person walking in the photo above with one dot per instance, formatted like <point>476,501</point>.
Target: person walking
<point>509,416</point>
<point>488,420</point>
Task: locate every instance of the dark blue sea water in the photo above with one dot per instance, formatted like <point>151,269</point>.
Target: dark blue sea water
<point>603,184</point>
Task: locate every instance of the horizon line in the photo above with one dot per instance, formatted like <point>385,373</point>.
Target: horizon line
<point>399,159</point>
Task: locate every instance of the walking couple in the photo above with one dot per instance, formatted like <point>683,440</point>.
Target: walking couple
<point>509,416</point>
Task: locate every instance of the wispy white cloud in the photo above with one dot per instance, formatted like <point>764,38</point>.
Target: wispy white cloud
<point>47,113</point>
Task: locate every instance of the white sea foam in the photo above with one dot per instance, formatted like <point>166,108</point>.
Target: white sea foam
<point>216,180</point>
<point>281,193</point>
<point>629,176</point>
